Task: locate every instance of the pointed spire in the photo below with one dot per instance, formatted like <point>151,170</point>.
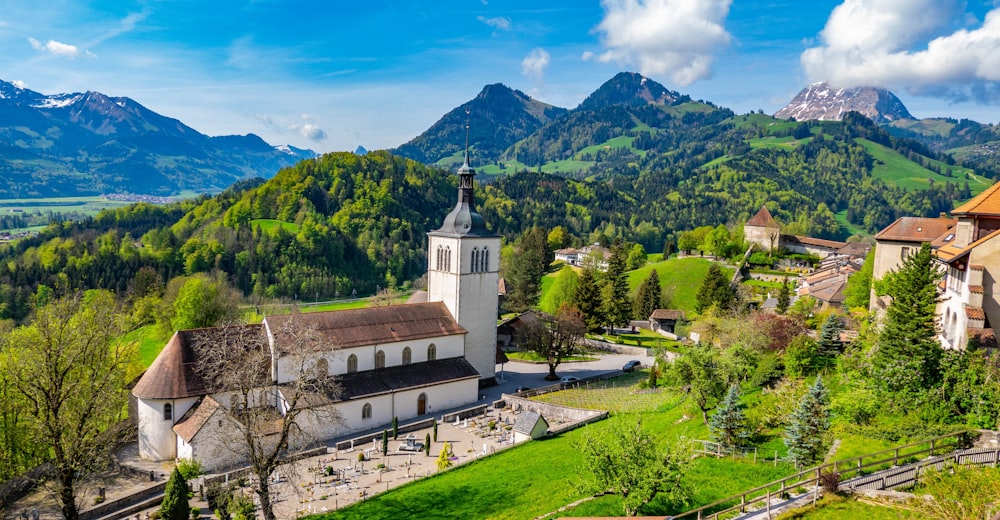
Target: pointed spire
<point>466,169</point>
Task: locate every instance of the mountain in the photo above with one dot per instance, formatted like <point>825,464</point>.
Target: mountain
<point>89,143</point>
<point>498,117</point>
<point>630,89</point>
<point>820,101</point>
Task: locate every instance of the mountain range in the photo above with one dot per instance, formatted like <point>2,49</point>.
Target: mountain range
<point>89,143</point>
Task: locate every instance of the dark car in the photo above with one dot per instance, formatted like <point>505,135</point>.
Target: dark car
<point>568,381</point>
<point>521,389</point>
<point>632,365</point>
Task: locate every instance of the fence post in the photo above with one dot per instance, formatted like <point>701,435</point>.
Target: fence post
<point>996,457</point>
<point>932,447</point>
<point>895,458</point>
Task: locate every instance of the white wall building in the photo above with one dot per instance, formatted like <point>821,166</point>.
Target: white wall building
<point>399,361</point>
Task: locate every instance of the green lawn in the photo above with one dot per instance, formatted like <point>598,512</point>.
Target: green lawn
<point>269,225</point>
<point>150,342</point>
<point>833,507</point>
<point>680,277</point>
<point>534,357</point>
<point>785,143</point>
<point>841,217</point>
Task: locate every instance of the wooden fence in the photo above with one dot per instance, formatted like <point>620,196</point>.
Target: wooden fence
<point>856,467</point>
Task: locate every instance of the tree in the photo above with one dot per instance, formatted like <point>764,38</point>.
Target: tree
<point>196,302</point>
<point>908,342</point>
<point>616,303</point>
<point>625,460</point>
<point>261,416</point>
<point>636,257</point>
<point>427,444</point>
<point>700,373</point>
<point>829,338</point>
<point>649,297</point>
<point>555,338</point>
<point>729,425</point>
<point>175,498</point>
<point>563,290</point>
<point>714,290</point>
<point>857,293</point>
<point>802,357</point>
<point>526,270</point>
<point>588,299</point>
<point>443,461</point>
<point>809,422</point>
<point>71,367</point>
<point>784,297</point>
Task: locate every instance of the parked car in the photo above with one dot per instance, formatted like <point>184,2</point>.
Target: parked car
<point>521,389</point>
<point>568,381</point>
<point>632,365</point>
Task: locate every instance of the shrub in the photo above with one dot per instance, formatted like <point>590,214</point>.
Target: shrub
<point>361,456</point>
<point>190,468</point>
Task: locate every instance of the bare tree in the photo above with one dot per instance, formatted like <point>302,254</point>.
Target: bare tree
<point>269,392</point>
<point>555,337</point>
<point>71,367</point>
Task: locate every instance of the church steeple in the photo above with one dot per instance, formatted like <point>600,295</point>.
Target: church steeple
<point>463,220</point>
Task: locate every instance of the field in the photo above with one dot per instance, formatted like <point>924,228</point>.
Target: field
<point>269,225</point>
<point>893,168</point>
<point>679,277</point>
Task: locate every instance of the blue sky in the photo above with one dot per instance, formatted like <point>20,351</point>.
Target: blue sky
<point>332,75</point>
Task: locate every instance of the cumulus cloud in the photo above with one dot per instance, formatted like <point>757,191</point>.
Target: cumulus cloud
<point>676,38</point>
<point>498,22</point>
<point>909,45</point>
<point>53,47</point>
<point>307,128</point>
<point>533,65</point>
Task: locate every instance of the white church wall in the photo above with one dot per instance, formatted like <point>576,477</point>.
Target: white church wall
<point>156,435</point>
<point>439,398</point>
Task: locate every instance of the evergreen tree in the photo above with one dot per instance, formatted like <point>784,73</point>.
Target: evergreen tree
<point>829,337</point>
<point>443,462</point>
<point>617,306</point>
<point>527,268</point>
<point>587,299</point>
<point>908,354</point>
<point>858,291</point>
<point>427,444</point>
<point>784,297</point>
<point>649,297</point>
<point>175,498</point>
<point>809,422</point>
<point>714,290</point>
<point>729,425</point>
<point>385,442</point>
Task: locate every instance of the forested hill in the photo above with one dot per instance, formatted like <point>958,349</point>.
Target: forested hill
<point>342,222</point>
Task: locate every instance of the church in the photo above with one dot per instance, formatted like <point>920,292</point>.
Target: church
<point>399,361</point>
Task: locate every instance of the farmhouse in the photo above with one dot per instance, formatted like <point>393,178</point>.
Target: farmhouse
<point>398,361</point>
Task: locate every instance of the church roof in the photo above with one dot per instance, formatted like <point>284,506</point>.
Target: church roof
<point>397,378</point>
<point>763,218</point>
<point>916,229</point>
<point>173,374</point>
<point>986,203</point>
<point>358,327</point>
<point>463,221</point>
<point>196,418</point>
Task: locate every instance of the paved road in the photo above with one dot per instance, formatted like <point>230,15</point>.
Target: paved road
<point>533,375</point>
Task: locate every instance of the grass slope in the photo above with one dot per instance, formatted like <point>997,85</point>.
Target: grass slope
<point>893,168</point>
<point>680,277</point>
<point>269,225</point>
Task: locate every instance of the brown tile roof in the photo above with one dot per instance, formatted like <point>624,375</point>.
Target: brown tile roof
<point>916,229</point>
<point>195,418</point>
<point>976,267</point>
<point>982,338</point>
<point>397,378</point>
<point>763,218</point>
<point>976,289</point>
<point>855,249</point>
<point>667,314</point>
<point>949,252</point>
<point>357,327</point>
<point>975,313</point>
<point>417,297</point>
<point>173,374</point>
<point>986,203</point>
<point>810,241</point>
<point>830,290</point>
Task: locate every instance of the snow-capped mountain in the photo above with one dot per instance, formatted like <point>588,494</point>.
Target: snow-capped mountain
<point>823,102</point>
<point>89,143</point>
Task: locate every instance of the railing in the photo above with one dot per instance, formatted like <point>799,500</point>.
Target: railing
<point>857,465</point>
<point>584,382</point>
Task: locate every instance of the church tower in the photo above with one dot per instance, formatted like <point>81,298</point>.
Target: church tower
<point>463,272</point>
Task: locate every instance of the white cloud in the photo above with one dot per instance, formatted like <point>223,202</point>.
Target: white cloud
<point>65,50</point>
<point>676,38</point>
<point>499,22</point>
<point>900,44</point>
<point>533,65</point>
<point>312,132</point>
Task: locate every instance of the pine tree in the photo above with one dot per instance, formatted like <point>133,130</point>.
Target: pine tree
<point>809,422</point>
<point>588,299</point>
<point>729,425</point>
<point>784,297</point>
<point>435,431</point>
<point>714,290</point>
<point>829,338</point>
<point>427,444</point>
<point>649,296</point>
<point>616,303</point>
<point>908,354</point>
<point>385,442</point>
<point>395,428</point>
<point>175,498</point>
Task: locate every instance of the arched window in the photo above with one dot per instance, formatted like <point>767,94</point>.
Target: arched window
<point>447,259</point>
<point>440,258</point>
<point>485,259</point>
<point>407,355</point>
<point>322,368</point>
<point>431,352</point>
<point>380,359</point>
<point>168,412</point>
<point>366,411</point>
<point>475,260</point>
<point>352,364</point>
